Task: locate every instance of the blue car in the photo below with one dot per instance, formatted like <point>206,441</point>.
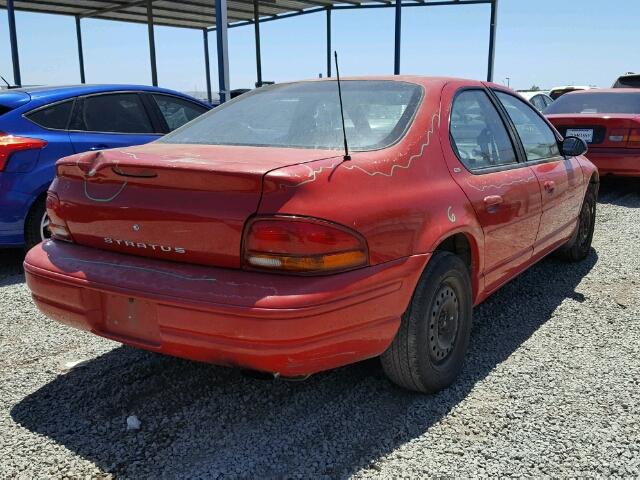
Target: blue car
<point>39,125</point>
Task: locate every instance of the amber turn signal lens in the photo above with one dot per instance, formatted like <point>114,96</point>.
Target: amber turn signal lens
<point>322,263</point>
<point>619,135</point>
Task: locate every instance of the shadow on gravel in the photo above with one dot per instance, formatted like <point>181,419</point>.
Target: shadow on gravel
<point>204,421</point>
<point>11,266</point>
<point>624,192</point>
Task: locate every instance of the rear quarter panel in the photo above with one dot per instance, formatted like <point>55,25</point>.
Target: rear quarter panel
<point>402,198</point>
<point>28,173</point>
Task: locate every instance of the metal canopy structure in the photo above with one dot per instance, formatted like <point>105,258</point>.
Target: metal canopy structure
<point>217,16</point>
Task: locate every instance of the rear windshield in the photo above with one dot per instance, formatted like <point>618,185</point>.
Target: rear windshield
<point>628,81</point>
<point>605,102</point>
<point>307,115</point>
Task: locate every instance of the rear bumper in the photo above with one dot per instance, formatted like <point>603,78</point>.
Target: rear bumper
<point>274,323</point>
<point>616,161</point>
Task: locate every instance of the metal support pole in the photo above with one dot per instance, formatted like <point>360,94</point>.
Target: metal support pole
<point>152,44</point>
<point>256,31</point>
<point>207,69</point>
<point>80,53</point>
<point>223,50</point>
<point>13,38</point>
<point>396,54</point>
<point>492,39</point>
<point>328,42</point>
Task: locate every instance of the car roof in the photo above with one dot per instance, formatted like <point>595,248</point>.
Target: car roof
<point>59,92</point>
<point>418,79</point>
<point>530,94</point>
<point>604,90</point>
<point>581,87</point>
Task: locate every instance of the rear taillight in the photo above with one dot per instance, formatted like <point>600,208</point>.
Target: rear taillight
<point>302,246</point>
<point>634,138</point>
<point>9,144</point>
<point>629,137</point>
<point>619,135</point>
<point>57,226</point>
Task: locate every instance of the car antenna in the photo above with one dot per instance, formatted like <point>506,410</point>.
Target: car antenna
<point>344,130</point>
<point>3,79</point>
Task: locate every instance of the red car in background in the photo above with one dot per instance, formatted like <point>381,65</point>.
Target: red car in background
<point>249,238</point>
<point>609,121</point>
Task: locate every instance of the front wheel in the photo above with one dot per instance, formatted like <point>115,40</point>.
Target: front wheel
<point>427,353</point>
<point>577,248</point>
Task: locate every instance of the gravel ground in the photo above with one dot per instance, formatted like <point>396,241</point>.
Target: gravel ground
<point>550,387</point>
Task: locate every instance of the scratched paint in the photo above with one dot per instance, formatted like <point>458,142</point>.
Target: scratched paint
<point>499,186</point>
<point>313,174</point>
<point>450,215</point>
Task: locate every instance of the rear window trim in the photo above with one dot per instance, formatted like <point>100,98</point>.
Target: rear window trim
<point>26,115</point>
<point>400,137</point>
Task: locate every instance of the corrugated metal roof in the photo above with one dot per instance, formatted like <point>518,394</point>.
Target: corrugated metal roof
<point>188,13</point>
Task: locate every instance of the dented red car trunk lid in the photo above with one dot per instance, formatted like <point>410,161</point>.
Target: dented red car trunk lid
<point>177,202</point>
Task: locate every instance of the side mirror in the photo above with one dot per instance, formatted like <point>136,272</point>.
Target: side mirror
<point>574,146</point>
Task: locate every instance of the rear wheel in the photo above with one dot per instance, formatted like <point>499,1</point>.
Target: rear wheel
<point>36,227</point>
<point>578,247</point>
<point>428,351</point>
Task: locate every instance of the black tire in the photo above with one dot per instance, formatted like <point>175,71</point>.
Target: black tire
<point>577,248</point>
<point>427,353</point>
<point>33,233</point>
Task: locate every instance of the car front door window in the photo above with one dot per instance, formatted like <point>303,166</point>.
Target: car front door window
<point>537,138</point>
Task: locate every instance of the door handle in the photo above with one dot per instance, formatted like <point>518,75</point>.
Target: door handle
<point>549,186</point>
<point>493,200</point>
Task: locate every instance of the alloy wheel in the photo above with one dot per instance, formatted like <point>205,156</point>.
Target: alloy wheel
<point>44,227</point>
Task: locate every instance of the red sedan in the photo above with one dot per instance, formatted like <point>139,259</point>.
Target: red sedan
<point>609,121</point>
<point>249,238</point>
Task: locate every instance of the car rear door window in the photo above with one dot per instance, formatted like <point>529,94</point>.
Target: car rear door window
<point>177,111</point>
<point>537,138</point>
<point>55,116</point>
<point>115,113</point>
<point>478,134</point>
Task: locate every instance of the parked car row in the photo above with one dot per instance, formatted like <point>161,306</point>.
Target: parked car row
<point>40,125</point>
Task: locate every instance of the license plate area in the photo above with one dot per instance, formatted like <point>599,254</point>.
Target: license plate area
<point>585,134</point>
<point>131,318</point>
